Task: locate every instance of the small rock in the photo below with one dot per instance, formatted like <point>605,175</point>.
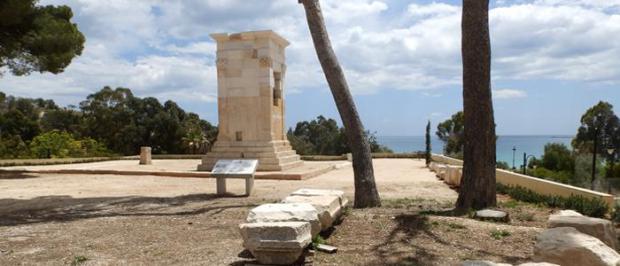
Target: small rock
<point>482,263</point>
<point>538,264</point>
<point>492,215</point>
<point>567,246</point>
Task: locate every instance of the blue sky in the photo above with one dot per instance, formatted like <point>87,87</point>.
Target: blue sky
<point>552,59</point>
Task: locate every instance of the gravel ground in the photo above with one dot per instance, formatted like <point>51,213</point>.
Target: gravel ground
<point>148,220</point>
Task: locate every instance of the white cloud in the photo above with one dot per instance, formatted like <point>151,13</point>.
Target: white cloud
<point>162,48</point>
<point>508,94</point>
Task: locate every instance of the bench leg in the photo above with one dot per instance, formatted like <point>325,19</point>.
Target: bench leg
<point>221,186</point>
<point>249,184</point>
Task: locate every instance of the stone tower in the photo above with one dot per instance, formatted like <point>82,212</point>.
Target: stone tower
<point>250,76</point>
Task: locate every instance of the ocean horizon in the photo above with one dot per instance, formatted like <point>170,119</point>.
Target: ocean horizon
<point>529,144</point>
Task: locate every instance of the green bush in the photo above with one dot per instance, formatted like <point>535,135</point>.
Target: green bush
<point>591,207</point>
<point>60,144</point>
<point>612,170</point>
<point>503,165</point>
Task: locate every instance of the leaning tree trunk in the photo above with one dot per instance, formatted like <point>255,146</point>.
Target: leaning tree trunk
<point>477,189</point>
<point>366,194</point>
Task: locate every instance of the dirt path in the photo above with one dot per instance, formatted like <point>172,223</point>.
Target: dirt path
<point>59,219</point>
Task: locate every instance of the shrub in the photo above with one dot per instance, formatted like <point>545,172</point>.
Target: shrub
<point>591,207</point>
<point>53,144</point>
<point>60,144</point>
<point>503,165</point>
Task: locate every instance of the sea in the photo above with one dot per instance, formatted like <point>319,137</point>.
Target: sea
<point>531,145</point>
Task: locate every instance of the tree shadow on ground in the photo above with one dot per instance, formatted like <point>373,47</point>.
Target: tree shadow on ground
<point>16,175</point>
<point>67,208</point>
<point>412,226</point>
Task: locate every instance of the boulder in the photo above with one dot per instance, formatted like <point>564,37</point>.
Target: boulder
<point>286,212</point>
<point>567,246</point>
<point>599,228</point>
<point>322,192</point>
<point>328,207</point>
<point>482,263</point>
<point>492,215</point>
<point>279,243</point>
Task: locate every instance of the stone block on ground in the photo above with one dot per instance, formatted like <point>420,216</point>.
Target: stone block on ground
<point>328,207</point>
<point>538,264</point>
<point>567,246</point>
<point>286,212</point>
<point>441,171</point>
<point>321,192</point>
<point>452,175</point>
<point>279,243</point>
<point>596,227</point>
<point>482,263</point>
<point>145,156</point>
<point>492,215</point>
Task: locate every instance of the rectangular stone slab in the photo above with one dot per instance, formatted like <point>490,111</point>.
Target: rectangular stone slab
<point>279,243</point>
<point>286,212</point>
<point>322,192</point>
<point>328,207</point>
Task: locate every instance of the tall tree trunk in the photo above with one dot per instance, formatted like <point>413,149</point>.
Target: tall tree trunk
<point>477,189</point>
<point>366,194</point>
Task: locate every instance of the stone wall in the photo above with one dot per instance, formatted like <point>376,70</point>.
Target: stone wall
<point>538,185</point>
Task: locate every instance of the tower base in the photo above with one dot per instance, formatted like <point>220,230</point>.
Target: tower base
<point>272,156</point>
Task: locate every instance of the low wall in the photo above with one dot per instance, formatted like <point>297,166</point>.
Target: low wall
<point>538,185</point>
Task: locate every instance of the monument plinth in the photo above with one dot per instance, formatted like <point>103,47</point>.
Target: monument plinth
<point>250,74</point>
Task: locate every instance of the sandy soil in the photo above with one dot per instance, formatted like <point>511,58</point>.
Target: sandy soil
<point>149,220</point>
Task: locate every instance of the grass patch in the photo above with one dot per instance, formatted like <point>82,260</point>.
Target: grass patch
<point>317,240</point>
<point>524,216</point>
<point>499,234</point>
<point>403,202</point>
<point>456,225</point>
<point>592,207</point>
<point>77,260</point>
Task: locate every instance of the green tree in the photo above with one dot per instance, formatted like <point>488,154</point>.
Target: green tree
<point>557,164</point>
<point>427,155</point>
<point>478,185</point>
<point>558,157</point>
<point>599,119</point>
<point>54,144</point>
<point>37,38</point>
<point>322,136</point>
<point>451,133</point>
<point>65,119</point>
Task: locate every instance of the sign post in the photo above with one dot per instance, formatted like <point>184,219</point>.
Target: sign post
<point>224,169</point>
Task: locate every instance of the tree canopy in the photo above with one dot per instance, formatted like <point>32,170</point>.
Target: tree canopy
<point>37,38</point>
<point>451,133</point>
<point>110,119</point>
<point>601,118</point>
<point>322,136</point>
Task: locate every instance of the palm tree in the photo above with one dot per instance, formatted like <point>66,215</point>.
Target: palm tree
<point>477,189</point>
<point>366,194</point>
